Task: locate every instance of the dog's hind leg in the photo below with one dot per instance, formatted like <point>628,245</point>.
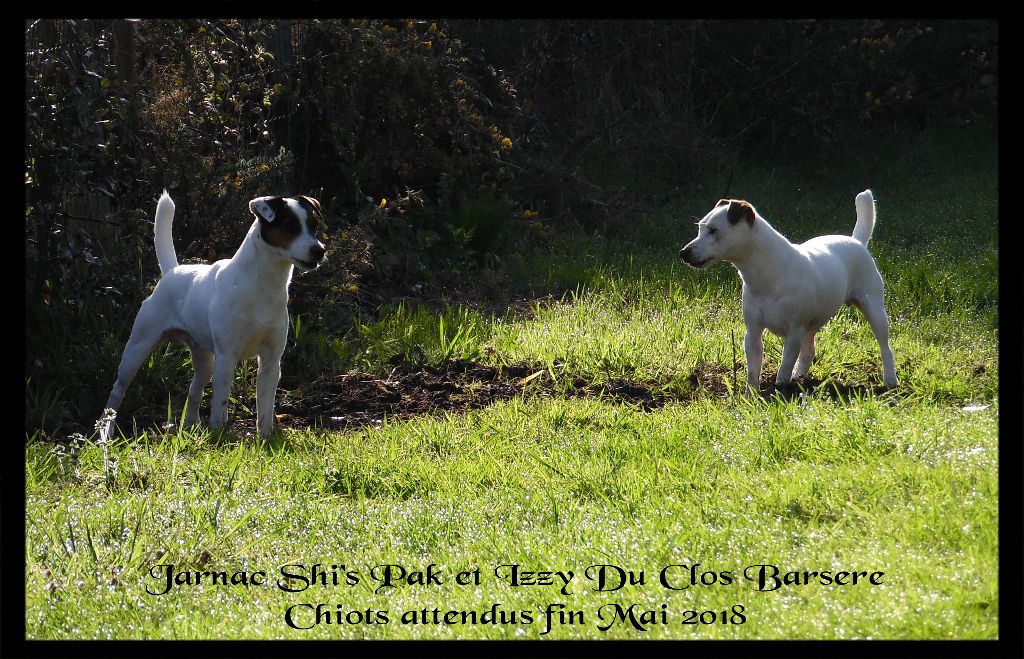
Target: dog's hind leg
<point>146,336</point>
<point>874,309</point>
<point>202,362</point>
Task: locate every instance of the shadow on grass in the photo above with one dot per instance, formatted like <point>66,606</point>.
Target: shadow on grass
<point>839,392</point>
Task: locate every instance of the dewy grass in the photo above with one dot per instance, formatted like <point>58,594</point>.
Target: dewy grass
<point>496,522</point>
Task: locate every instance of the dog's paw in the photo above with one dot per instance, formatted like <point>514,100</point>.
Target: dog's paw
<point>106,423</point>
<point>788,390</point>
<point>750,391</point>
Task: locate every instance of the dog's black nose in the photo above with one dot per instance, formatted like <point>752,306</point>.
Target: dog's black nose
<point>316,252</point>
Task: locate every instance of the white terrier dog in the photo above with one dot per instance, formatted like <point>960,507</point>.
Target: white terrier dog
<point>231,310</point>
<point>793,290</point>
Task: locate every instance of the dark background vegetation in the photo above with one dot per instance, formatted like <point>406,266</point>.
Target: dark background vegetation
<point>439,149</point>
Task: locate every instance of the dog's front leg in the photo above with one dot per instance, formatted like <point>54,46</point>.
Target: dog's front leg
<point>803,364</point>
<point>790,352</point>
<point>753,348</point>
<point>223,374</point>
<point>269,374</point>
<point>202,362</point>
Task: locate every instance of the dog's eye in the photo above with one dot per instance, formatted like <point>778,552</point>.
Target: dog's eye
<point>712,230</point>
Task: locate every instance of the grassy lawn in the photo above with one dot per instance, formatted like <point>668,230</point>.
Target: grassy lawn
<point>684,504</point>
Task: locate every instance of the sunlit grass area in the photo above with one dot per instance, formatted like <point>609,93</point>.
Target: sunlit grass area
<point>684,504</point>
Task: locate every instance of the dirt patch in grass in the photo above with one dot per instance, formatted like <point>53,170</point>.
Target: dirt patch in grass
<point>362,399</point>
<point>355,399</point>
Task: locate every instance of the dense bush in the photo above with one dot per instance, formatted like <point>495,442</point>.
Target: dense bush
<point>671,102</point>
<point>409,135</point>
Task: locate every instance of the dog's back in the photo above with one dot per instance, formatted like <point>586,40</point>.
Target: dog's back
<point>842,266</point>
<point>827,253</point>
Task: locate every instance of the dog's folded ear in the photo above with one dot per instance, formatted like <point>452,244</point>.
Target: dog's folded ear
<point>722,201</point>
<point>740,210</point>
<point>260,207</point>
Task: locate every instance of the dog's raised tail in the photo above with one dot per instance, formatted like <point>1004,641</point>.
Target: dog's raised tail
<point>865,217</point>
<point>165,254</point>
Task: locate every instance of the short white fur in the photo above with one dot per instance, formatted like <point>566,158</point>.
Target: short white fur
<point>793,290</point>
<point>225,312</point>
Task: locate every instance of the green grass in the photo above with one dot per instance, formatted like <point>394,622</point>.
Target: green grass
<point>551,485</point>
<point>903,483</point>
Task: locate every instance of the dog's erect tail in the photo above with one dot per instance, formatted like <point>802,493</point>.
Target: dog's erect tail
<point>162,234</point>
<point>865,217</point>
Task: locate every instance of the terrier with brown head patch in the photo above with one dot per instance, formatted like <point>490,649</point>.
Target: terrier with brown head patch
<point>231,310</point>
<point>793,290</point>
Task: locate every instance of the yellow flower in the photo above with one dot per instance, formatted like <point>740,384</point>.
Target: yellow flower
<point>506,144</point>
<point>383,202</point>
<point>878,101</point>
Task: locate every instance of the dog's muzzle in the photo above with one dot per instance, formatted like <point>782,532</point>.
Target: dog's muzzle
<point>316,257</point>
<point>686,254</point>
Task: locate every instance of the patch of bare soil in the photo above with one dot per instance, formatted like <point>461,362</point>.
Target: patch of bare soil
<point>354,399</point>
<point>362,399</point>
